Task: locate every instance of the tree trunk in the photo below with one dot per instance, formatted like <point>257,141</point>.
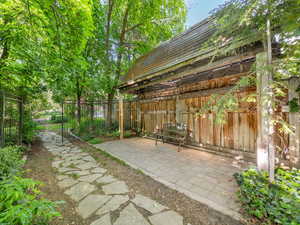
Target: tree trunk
<point>109,109</point>
<point>78,95</point>
<point>78,109</point>
<point>92,111</point>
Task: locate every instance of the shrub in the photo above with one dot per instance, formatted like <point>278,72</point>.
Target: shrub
<point>30,128</point>
<point>277,202</point>
<point>56,118</point>
<point>20,203</point>
<point>10,161</point>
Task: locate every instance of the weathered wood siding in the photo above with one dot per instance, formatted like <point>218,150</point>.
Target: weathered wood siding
<point>239,132</point>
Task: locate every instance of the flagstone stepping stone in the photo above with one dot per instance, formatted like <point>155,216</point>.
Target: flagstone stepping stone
<point>86,165</point>
<point>148,204</point>
<point>118,187</point>
<point>105,220</point>
<point>67,183</point>
<point>169,217</point>
<point>57,163</point>
<point>65,169</point>
<point>130,216</point>
<point>90,178</point>
<point>90,204</point>
<point>80,190</point>
<point>61,177</point>
<point>78,172</point>
<point>88,158</point>
<point>98,170</point>
<point>113,204</point>
<point>106,179</point>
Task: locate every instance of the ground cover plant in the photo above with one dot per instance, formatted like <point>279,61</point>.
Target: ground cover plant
<point>277,202</point>
<point>20,199</point>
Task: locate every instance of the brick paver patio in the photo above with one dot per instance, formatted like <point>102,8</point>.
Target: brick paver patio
<point>202,176</point>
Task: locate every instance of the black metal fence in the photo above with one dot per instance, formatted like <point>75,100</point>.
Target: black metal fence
<point>92,117</point>
<point>11,119</point>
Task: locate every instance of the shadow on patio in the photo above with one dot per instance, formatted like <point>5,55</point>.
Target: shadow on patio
<point>202,176</point>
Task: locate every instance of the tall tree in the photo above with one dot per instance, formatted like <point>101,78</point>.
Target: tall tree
<point>125,30</point>
<point>240,22</point>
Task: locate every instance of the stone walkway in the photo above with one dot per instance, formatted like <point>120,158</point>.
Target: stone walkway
<point>99,194</point>
<point>202,176</point>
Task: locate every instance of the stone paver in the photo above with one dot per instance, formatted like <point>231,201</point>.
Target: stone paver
<point>99,170</point>
<point>164,218</point>
<point>79,172</point>
<point>106,179</point>
<point>113,204</point>
<point>67,183</point>
<point>199,175</point>
<point>80,190</point>
<point>91,179</point>
<point>130,216</point>
<point>148,204</point>
<point>105,220</point>
<point>86,165</point>
<point>118,187</point>
<point>61,177</point>
<point>90,204</point>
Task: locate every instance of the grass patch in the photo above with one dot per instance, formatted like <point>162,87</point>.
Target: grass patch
<point>95,141</point>
<point>51,127</point>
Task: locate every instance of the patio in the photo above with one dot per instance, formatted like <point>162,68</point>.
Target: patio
<point>202,176</point>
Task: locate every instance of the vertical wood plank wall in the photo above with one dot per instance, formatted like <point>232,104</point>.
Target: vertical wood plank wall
<point>238,133</point>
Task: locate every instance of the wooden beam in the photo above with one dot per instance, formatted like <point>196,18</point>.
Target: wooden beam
<point>210,66</point>
<point>294,139</point>
<point>188,60</point>
<point>265,144</point>
<point>121,117</point>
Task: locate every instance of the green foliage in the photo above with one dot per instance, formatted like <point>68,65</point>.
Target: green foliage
<point>277,202</point>
<point>294,105</point>
<point>29,129</point>
<point>20,203</point>
<point>10,161</point>
<point>57,118</point>
<point>220,104</point>
<point>50,127</point>
<point>95,141</point>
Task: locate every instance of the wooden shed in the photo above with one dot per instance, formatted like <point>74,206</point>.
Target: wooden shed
<point>176,79</point>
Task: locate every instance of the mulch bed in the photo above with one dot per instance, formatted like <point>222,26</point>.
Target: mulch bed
<point>38,167</point>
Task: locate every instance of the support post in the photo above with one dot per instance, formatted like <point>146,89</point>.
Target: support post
<point>139,116</point>
<point>265,144</point>
<point>121,117</point>
<point>294,139</point>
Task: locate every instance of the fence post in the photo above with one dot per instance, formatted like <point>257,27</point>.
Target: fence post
<point>2,119</point>
<point>21,120</point>
<point>121,117</point>
<point>62,122</point>
<point>265,146</point>
<point>294,139</point>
